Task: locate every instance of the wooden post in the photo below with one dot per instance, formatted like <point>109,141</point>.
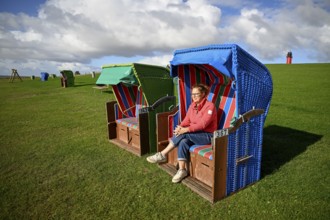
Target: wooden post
<point>220,151</point>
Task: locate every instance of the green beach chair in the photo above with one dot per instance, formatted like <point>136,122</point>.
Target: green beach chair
<point>67,79</point>
<point>141,91</point>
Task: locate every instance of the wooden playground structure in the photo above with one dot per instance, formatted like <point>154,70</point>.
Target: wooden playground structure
<point>14,74</point>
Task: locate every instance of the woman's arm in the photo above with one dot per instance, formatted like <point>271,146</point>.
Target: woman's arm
<point>186,121</point>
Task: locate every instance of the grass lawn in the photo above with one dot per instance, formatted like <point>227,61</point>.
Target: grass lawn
<point>56,161</point>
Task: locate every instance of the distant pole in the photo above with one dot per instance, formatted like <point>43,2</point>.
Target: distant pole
<point>289,58</point>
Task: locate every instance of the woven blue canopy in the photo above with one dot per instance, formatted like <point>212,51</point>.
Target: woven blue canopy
<point>220,59</point>
<point>251,79</point>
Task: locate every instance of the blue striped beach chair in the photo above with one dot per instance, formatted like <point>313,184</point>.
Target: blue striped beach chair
<point>241,89</point>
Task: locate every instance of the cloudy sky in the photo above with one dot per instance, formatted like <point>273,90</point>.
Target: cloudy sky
<point>83,35</point>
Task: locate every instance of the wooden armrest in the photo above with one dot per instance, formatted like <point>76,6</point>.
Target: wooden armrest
<point>166,114</point>
<point>244,118</point>
<point>252,113</point>
<point>243,159</point>
<point>162,127</point>
<point>161,101</point>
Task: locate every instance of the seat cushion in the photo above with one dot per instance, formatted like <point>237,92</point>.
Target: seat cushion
<point>203,150</point>
<point>129,122</point>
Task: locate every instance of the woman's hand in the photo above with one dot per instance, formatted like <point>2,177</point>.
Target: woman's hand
<point>180,130</point>
<point>177,129</point>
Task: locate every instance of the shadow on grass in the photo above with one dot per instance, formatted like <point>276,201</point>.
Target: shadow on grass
<point>281,144</point>
<point>108,91</point>
<point>88,84</point>
<point>81,84</point>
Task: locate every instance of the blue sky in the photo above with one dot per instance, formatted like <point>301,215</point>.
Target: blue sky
<point>25,6</point>
<point>83,35</point>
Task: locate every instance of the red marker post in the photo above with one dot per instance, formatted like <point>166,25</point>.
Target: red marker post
<point>289,58</point>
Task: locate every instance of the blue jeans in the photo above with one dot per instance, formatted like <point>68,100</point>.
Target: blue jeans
<point>185,141</point>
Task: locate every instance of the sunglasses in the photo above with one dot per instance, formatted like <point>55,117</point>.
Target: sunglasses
<point>195,94</point>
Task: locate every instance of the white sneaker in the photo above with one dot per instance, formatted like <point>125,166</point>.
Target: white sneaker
<point>180,175</point>
<point>157,158</point>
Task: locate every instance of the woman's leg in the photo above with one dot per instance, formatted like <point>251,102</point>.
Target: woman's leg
<point>183,149</point>
<point>169,147</point>
<point>187,141</point>
<point>160,157</point>
<point>183,158</point>
<point>182,164</point>
<point>183,152</point>
<point>174,142</point>
<point>199,138</point>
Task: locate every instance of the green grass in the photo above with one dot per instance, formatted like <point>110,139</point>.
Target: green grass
<point>56,161</point>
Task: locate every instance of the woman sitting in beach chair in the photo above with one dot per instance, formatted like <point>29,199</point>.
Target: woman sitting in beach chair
<point>196,128</point>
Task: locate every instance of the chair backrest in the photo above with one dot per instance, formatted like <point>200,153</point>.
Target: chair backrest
<point>221,93</point>
<point>141,102</point>
<point>130,99</point>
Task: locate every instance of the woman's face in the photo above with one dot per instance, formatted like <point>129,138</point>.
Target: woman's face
<point>197,95</point>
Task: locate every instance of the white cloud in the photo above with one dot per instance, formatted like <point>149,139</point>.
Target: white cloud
<point>73,33</point>
<point>271,35</point>
<point>27,36</point>
<point>78,31</point>
<point>157,60</point>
